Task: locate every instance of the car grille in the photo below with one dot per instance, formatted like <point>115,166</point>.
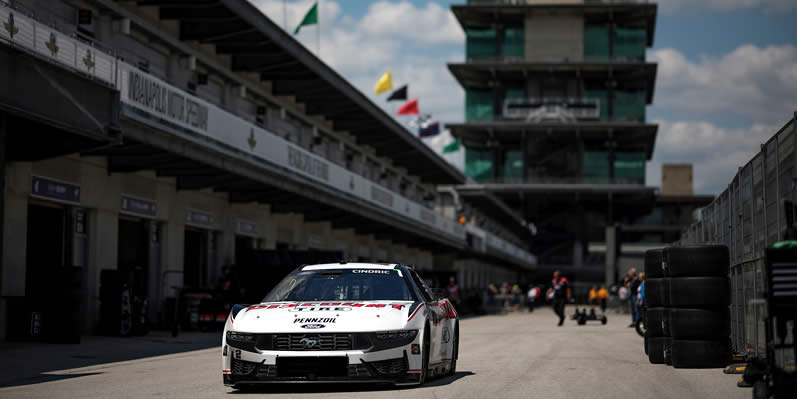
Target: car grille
<point>312,342</point>
<point>390,366</point>
<point>358,370</point>
<point>241,367</point>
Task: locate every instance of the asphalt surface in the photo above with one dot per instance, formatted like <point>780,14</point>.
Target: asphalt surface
<point>509,356</point>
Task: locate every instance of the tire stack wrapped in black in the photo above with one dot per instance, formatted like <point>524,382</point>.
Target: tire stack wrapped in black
<point>657,335</point>
<point>690,294</point>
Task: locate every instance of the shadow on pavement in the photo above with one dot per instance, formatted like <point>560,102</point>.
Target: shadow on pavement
<point>329,388</point>
<point>26,363</point>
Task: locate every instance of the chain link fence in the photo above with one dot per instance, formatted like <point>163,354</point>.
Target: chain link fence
<point>750,215</point>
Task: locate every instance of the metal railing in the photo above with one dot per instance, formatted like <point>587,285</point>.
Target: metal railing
<point>546,108</point>
<point>749,216</point>
<point>559,180</point>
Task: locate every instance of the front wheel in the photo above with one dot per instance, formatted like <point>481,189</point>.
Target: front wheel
<point>454,351</point>
<point>425,355</point>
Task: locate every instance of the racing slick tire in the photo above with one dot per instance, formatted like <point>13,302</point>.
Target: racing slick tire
<point>657,292</point>
<point>454,352</point>
<point>646,343</point>
<point>653,260</point>
<point>699,323</point>
<point>700,354</point>
<point>656,348</point>
<point>425,353</point>
<point>657,322</point>
<point>699,292</point>
<point>697,261</point>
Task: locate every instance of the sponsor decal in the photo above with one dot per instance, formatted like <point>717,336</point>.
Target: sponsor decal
<point>416,349</point>
<point>308,164</point>
<point>237,353</point>
<point>315,320</point>
<point>313,326</point>
<point>224,351</point>
<point>370,271</point>
<point>446,335</point>
<point>324,306</point>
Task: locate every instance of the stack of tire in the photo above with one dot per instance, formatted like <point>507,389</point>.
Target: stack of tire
<point>688,293</point>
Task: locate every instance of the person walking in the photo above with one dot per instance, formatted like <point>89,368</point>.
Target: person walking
<point>603,297</point>
<point>558,294</point>
<point>633,288</point>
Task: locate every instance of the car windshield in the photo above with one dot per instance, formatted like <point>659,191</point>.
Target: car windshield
<point>343,285</point>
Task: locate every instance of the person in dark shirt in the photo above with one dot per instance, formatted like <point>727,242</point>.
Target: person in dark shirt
<point>558,294</point>
<point>633,287</point>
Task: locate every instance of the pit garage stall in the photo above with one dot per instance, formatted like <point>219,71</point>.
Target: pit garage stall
<point>145,189</point>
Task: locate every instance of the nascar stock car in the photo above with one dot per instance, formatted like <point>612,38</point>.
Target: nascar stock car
<point>342,322</point>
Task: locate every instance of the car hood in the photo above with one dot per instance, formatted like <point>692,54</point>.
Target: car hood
<point>284,317</point>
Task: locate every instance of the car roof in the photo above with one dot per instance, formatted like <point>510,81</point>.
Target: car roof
<point>345,265</point>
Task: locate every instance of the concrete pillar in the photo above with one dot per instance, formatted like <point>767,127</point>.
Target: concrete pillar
<point>611,255</point>
<point>3,143</point>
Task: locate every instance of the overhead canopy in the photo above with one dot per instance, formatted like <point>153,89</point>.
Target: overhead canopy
<point>257,45</point>
<point>486,73</point>
<point>628,136</point>
<point>626,14</point>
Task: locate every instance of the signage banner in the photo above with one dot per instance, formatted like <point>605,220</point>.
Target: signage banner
<point>56,190</point>
<point>246,228</point>
<point>198,218</point>
<point>138,206</point>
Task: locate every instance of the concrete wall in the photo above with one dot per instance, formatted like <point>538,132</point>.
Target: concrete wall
<point>676,179</point>
<point>554,36</point>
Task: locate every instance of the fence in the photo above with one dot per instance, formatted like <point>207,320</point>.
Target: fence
<point>750,215</point>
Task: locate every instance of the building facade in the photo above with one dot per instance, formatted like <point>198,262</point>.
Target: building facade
<point>148,144</point>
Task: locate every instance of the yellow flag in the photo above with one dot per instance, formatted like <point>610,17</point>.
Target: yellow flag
<point>384,84</point>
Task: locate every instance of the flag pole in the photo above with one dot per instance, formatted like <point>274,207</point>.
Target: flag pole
<point>318,33</point>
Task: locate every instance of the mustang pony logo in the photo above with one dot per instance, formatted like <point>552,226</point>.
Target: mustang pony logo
<point>309,343</point>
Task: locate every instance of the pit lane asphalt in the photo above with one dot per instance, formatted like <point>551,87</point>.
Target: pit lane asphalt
<point>506,356</point>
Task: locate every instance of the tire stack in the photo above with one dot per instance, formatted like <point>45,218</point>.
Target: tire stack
<point>688,298</point>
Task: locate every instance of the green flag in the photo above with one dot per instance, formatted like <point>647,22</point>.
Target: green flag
<point>451,147</point>
<point>311,18</point>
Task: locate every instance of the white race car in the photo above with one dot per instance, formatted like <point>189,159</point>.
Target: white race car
<point>342,322</point>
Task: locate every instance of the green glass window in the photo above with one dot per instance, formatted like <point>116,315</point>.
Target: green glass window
<point>480,43</point>
<point>629,105</point>
<point>596,43</point>
<point>513,164</point>
<point>596,167</point>
<point>630,43</point>
<point>629,167</point>
<point>478,105</point>
<point>603,101</point>
<point>514,43</point>
<point>479,164</point>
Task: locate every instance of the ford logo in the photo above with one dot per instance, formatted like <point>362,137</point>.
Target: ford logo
<point>313,326</point>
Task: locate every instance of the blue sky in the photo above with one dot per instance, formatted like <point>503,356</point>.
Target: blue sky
<point>727,74</point>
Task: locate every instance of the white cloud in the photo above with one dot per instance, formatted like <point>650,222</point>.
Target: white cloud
<point>757,83</point>
<point>692,6</point>
<point>432,24</point>
<point>716,152</point>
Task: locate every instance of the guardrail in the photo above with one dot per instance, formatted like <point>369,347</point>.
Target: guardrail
<point>560,180</point>
<point>750,215</point>
<point>164,105</point>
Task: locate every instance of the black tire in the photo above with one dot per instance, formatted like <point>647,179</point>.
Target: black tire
<point>653,263</point>
<point>700,354</point>
<point>761,390</point>
<point>582,320</point>
<point>697,261</point>
<point>668,352</point>
<point>641,327</point>
<point>455,351</point>
<point>656,348</point>
<point>657,292</point>
<point>604,320</point>
<point>699,292</point>
<point>425,355</point>
<point>699,324</point>
<point>657,322</point>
